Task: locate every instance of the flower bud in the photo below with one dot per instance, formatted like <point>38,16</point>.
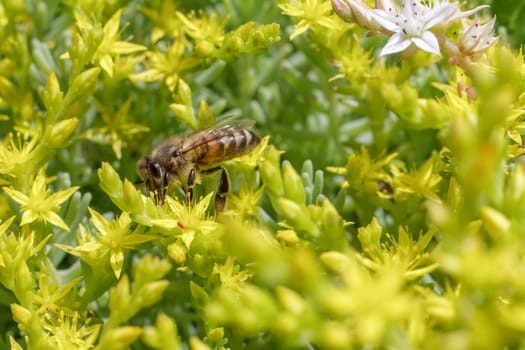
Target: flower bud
<point>496,223</point>
<point>184,92</point>
<point>270,172</point>
<point>286,324</point>
<point>150,268</point>
<point>84,82</point>
<point>21,314</point>
<point>184,111</point>
<point>122,336</point>
<point>354,11</point>
<point>233,43</point>
<point>270,33</point>
<point>166,324</point>
<point>206,115</point>
<point>177,253</point>
<point>119,296</point>
<point>132,197</point>
<point>215,335</point>
<point>293,186</point>
<point>297,216</point>
<point>516,187</point>
<point>52,95</point>
<point>24,281</point>
<point>199,295</point>
<point>258,38</point>
<point>439,307</point>
<point>288,236</point>
<point>370,235</point>
<point>330,216</point>
<point>7,89</point>
<point>153,292</point>
<point>163,335</point>
<point>290,300</point>
<point>110,181</point>
<point>337,262</point>
<point>343,10</point>
<point>438,213</point>
<point>179,110</point>
<point>244,31</point>
<point>204,48</point>
<point>197,344</point>
<point>336,335</point>
<point>56,135</point>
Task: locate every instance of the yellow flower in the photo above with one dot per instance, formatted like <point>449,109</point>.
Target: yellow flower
<point>166,65</point>
<point>40,204</point>
<point>230,274</point>
<point>117,130</point>
<point>205,28</point>
<point>187,220</point>
<point>310,13</point>
<point>247,203</point>
<point>165,23</point>
<point>110,47</point>
<point>72,331</point>
<point>49,296</point>
<point>115,237</point>
<point>15,155</point>
<point>423,181</point>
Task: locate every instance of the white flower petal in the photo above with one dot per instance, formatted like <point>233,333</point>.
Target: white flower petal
<point>477,38</point>
<point>460,14</point>
<point>387,5</point>
<point>389,21</point>
<point>414,9</point>
<point>486,29</point>
<point>396,43</point>
<point>428,42</point>
<point>485,44</point>
<point>439,15</point>
<point>470,36</point>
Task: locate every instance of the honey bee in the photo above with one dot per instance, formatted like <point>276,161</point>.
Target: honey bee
<point>183,158</point>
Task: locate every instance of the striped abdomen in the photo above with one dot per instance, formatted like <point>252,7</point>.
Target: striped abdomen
<point>220,145</point>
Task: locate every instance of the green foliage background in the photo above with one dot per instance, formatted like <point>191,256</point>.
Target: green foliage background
<point>384,207</point>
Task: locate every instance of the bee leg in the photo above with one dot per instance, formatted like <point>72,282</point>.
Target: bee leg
<point>224,188</point>
<point>164,189</point>
<point>191,182</point>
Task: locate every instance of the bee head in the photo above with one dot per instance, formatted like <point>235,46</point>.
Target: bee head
<point>155,177</point>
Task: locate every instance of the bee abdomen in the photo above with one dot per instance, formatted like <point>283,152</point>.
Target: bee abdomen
<point>241,142</point>
<point>228,145</point>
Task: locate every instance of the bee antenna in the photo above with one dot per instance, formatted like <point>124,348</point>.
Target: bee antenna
<point>138,182</point>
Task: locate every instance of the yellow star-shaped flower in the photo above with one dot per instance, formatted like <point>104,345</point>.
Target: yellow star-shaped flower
<point>40,204</point>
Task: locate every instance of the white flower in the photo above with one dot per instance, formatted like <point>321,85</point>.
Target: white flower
<point>458,14</point>
<point>412,25</point>
<point>477,38</point>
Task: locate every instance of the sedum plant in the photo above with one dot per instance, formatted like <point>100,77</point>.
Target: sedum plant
<point>381,209</point>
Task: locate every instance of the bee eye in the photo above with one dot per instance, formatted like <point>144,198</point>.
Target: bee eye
<point>154,169</point>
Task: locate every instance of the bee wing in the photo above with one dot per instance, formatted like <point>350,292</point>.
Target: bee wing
<point>197,138</point>
<point>226,123</point>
